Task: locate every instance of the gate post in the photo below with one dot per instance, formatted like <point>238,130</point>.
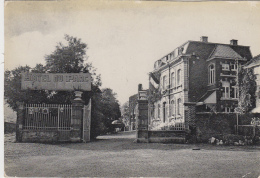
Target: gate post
<point>142,116</point>
<point>20,121</point>
<point>77,118</point>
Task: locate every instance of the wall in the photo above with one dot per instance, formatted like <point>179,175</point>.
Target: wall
<point>166,136</point>
<point>212,125</point>
<point>198,78</point>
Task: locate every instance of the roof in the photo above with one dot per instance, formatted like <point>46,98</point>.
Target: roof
<point>208,97</point>
<point>206,50</point>
<point>224,51</point>
<point>253,62</point>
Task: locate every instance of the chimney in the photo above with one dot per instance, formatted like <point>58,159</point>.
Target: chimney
<point>204,39</point>
<point>140,87</point>
<point>233,42</point>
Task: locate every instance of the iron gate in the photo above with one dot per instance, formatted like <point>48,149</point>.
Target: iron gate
<point>49,117</point>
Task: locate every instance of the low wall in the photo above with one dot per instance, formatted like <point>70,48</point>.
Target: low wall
<point>39,136</point>
<point>166,136</point>
<point>50,136</point>
<point>161,136</point>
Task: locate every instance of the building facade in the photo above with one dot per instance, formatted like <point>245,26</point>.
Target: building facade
<point>197,73</point>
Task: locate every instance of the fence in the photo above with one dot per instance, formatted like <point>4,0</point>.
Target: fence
<point>248,130</point>
<point>48,117</point>
<point>166,117</point>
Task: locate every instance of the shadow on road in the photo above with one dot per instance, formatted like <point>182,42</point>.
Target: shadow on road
<point>125,141</point>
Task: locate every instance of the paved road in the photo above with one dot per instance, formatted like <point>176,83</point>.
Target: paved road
<point>118,156</point>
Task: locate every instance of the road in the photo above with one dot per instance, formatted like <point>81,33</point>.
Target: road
<point>118,156</point>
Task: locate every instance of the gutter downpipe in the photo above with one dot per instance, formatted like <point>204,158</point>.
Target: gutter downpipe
<point>169,93</point>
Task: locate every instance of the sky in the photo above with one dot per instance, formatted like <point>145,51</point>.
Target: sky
<point>124,38</point>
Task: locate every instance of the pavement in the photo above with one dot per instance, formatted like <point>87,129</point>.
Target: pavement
<point>117,155</point>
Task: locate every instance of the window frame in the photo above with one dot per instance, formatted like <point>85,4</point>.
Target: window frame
<point>212,74</point>
<point>159,111</point>
<point>172,106</point>
<point>178,77</point>
<point>236,92</point>
<point>235,65</point>
<point>164,82</point>
<point>178,107</point>
<point>224,68</point>
<point>226,92</point>
<point>172,79</point>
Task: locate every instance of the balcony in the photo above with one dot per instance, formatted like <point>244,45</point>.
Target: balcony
<point>230,99</point>
<point>228,75</point>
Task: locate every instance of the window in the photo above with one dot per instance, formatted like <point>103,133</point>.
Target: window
<point>227,109</point>
<point>225,66</point>
<point>236,92</point>
<point>179,106</point>
<point>159,110</point>
<point>172,79</point>
<point>233,67</point>
<point>172,108</point>
<point>212,74</point>
<point>178,77</point>
<point>226,92</point>
<point>164,82</point>
<point>164,111</point>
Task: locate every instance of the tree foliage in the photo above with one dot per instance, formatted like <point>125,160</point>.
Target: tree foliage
<point>247,88</point>
<point>13,93</point>
<point>66,58</point>
<point>125,113</point>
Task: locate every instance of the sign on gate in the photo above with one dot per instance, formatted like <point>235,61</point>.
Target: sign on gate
<point>56,81</point>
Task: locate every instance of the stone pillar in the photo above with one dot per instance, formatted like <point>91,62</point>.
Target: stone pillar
<point>77,118</point>
<point>142,116</point>
<point>190,118</point>
<point>20,121</point>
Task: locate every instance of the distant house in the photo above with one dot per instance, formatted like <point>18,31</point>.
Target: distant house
<point>255,64</point>
<point>132,110</point>
<point>197,73</point>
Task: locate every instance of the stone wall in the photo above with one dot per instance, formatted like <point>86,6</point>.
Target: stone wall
<point>40,136</point>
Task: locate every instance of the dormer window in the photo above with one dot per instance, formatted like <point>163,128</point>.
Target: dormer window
<point>225,67</point>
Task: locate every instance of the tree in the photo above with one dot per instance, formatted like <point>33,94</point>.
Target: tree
<point>111,107</point>
<point>125,113</point>
<point>13,92</point>
<point>247,88</point>
<point>70,58</point>
<point>67,58</point>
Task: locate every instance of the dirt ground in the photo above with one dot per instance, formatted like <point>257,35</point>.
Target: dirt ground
<point>118,156</point>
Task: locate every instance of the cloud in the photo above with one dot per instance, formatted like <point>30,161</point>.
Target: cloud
<point>28,48</point>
